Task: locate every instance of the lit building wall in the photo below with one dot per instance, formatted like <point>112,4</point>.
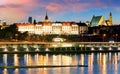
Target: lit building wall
<point>45,28</point>
<point>75,29</point>
<point>38,29</point>
<point>23,27</point>
<point>56,28</point>
<point>66,28</point>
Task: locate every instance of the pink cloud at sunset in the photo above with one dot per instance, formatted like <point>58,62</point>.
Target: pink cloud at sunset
<point>15,10</point>
<point>67,6</point>
<point>12,15</point>
<point>17,2</point>
<point>53,7</point>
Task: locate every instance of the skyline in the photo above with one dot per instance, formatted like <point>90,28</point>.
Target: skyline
<point>58,10</point>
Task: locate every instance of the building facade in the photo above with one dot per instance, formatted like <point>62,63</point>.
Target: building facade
<point>47,28</point>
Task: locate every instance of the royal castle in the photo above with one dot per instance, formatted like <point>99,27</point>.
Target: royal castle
<point>47,27</point>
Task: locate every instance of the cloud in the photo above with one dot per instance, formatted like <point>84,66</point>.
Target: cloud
<point>105,4</point>
<point>53,7</point>
<point>11,15</point>
<point>2,6</point>
<point>67,5</point>
<point>17,2</point>
<point>15,10</point>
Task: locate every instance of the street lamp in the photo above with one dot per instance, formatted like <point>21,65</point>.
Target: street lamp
<point>116,35</point>
<point>16,36</point>
<point>104,35</point>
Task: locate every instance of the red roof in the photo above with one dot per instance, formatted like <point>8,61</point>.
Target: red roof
<point>24,24</point>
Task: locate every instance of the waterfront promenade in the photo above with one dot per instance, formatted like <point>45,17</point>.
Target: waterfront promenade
<point>58,47</point>
<point>63,44</point>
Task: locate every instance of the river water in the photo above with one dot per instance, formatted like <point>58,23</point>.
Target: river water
<point>97,63</point>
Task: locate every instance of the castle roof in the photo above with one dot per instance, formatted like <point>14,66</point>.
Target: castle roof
<point>81,24</point>
<point>24,24</point>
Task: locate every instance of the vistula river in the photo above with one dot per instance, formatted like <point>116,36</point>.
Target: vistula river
<point>97,63</point>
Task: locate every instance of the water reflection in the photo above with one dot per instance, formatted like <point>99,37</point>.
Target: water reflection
<point>16,71</point>
<point>90,63</point>
<point>16,60</point>
<point>98,63</point>
<point>82,63</point>
<point>5,59</point>
<point>5,71</point>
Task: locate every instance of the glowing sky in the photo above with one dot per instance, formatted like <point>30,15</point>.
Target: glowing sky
<point>58,10</point>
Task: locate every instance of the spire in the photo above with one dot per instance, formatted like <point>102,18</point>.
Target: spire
<point>110,18</point>
<point>110,14</point>
<point>46,17</point>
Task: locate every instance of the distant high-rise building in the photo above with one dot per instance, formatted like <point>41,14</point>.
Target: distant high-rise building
<point>30,19</point>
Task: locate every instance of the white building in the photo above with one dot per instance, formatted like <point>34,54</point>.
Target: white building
<point>75,29</point>
<point>23,27</point>
<point>46,27</point>
<point>56,28</point>
<point>61,28</point>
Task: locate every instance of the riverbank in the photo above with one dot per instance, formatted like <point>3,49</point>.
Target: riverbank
<point>63,52</point>
<point>42,66</point>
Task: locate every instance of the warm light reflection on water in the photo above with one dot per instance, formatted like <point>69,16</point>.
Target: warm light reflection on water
<point>98,63</point>
<point>5,71</point>
<point>16,71</point>
<point>90,63</point>
<point>16,60</point>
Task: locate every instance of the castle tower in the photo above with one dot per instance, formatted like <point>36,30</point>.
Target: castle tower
<point>110,18</point>
<point>46,17</point>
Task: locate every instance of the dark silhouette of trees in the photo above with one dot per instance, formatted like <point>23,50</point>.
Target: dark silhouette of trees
<point>11,33</point>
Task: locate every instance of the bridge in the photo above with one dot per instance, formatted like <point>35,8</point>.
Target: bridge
<point>58,46</point>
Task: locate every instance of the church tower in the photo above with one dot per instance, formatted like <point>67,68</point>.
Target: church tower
<point>110,18</point>
<point>46,18</point>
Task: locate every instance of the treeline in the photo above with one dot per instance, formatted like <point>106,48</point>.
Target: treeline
<point>11,33</point>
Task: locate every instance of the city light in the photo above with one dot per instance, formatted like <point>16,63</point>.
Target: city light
<point>67,45</point>
<point>58,39</point>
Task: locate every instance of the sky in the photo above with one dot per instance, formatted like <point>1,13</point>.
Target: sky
<point>16,11</point>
